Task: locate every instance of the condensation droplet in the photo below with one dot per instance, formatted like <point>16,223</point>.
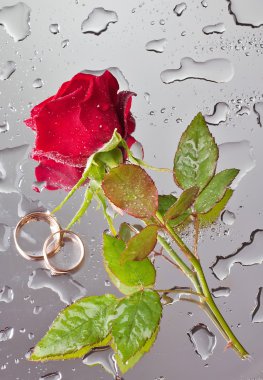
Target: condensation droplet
<point>244,110</point>
<point>257,313</point>
<point>219,115</point>
<point>64,43</point>
<point>218,28</point>
<point>204,3</point>
<point>6,334</point>
<point>219,70</point>
<point>98,21</point>
<point>6,294</point>
<point>157,46</point>
<point>147,97</point>
<point>237,155</point>
<point>4,127</point>
<point>247,13</point>
<point>66,288</point>
<point>37,310</point>
<point>54,28</point>
<point>250,253</point>
<point>15,19</point>
<point>228,218</point>
<point>5,235</point>
<point>38,83</point>
<point>180,8</point>
<point>203,340</point>
<point>258,109</point>
<point>51,376</point>
<point>103,356</point>
<point>221,292</point>
<point>7,70</point>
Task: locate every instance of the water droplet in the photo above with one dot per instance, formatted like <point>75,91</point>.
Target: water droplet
<point>38,83</point>
<point>158,46</point>
<point>64,43</point>
<point>7,70</point>
<point>250,253</point>
<point>107,283</point>
<point>216,28</point>
<point>39,186</point>
<point>54,28</point>
<point>228,218</point>
<point>66,288</point>
<point>98,21</point>
<point>51,376</point>
<point>15,20</point>
<point>26,205</point>
<point>5,234</point>
<point>115,71</point>
<point>219,115</point>
<point>257,313</point>
<point>10,160</point>
<point>147,97</point>
<point>30,336</point>
<point>258,109</point>
<point>217,70</point>
<point>37,310</point>
<point>244,110</point>
<point>6,334</point>
<point>180,8</point>
<point>4,127</point>
<point>6,294</point>
<point>247,13</point>
<point>221,292</point>
<point>236,155</point>
<point>103,356</point>
<point>203,340</point>
<point>137,150</point>
<point>204,3</point>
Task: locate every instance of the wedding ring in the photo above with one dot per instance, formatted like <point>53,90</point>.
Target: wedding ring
<point>63,235</point>
<point>36,217</point>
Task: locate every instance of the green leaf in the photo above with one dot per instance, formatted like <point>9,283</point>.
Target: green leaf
<point>196,156</point>
<point>78,328</point>
<point>131,276</point>
<point>125,366</point>
<point>138,317</point>
<point>165,202</point>
<point>180,219</point>
<point>140,245</point>
<point>131,189</point>
<point>211,216</point>
<point>111,159</point>
<point>215,190</point>
<point>126,232</point>
<point>185,201</point>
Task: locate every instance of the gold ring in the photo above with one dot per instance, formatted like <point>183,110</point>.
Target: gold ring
<point>35,217</point>
<point>55,270</point>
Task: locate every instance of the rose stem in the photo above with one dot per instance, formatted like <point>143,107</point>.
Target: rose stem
<point>205,290</point>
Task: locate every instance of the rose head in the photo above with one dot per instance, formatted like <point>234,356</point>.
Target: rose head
<point>73,124</point>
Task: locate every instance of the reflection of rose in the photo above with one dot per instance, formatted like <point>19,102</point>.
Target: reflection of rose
<point>75,123</point>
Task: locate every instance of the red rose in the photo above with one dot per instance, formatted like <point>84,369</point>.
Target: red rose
<point>75,123</point>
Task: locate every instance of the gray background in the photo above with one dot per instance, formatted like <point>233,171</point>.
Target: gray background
<point>41,55</point>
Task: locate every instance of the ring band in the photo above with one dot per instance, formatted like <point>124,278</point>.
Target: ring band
<point>35,217</point>
<point>55,270</point>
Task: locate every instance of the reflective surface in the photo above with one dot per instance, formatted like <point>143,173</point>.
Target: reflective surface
<point>158,49</point>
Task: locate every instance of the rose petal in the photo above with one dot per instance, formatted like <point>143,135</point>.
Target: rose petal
<point>123,109</point>
<point>57,175</point>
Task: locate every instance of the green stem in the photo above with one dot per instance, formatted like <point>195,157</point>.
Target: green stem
<point>180,263</point>
<point>205,290</point>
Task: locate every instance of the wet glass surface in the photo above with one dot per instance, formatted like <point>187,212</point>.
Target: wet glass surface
<point>180,58</point>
